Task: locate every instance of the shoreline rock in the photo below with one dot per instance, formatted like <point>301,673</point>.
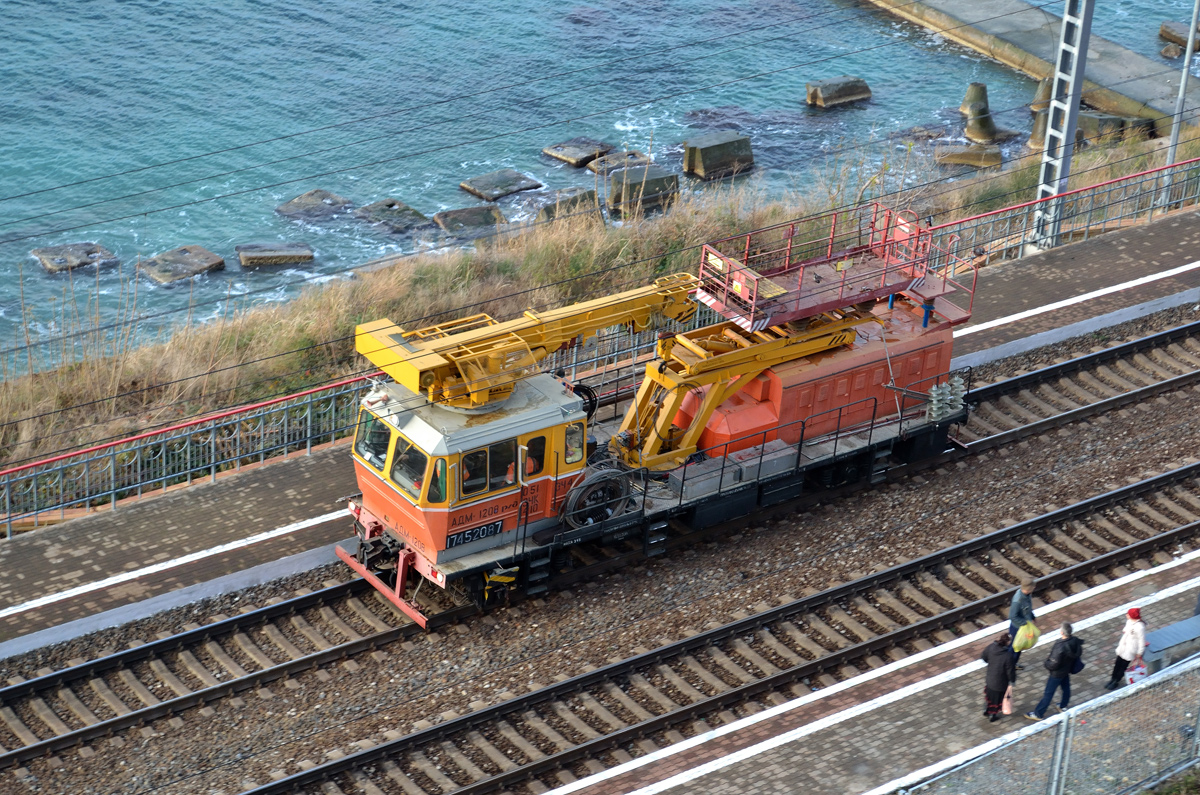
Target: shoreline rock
<point>392,214</point>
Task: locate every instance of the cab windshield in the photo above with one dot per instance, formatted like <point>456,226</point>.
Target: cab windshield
<point>372,440</point>
<point>408,467</point>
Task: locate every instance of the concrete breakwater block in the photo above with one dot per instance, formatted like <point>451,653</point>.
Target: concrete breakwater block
<point>470,220</point>
<point>252,255</point>
<point>1041,98</point>
<point>392,214</point>
<point>717,154</point>
<point>646,186</point>
<point>68,257</point>
<point>316,205</point>
<point>973,155</point>
<point>836,91</point>
<point>578,152</point>
<point>616,160</point>
<point>180,263</point>
<point>570,202</point>
<point>1097,129</point>
<point>500,183</point>
<point>1174,32</point>
<point>976,92</point>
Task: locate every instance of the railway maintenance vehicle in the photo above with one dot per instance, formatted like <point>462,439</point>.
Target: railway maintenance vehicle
<point>826,362</point>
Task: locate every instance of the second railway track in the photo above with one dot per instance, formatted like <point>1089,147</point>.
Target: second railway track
<point>62,709</point>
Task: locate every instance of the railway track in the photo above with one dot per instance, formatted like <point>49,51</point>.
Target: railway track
<point>605,717</point>
<point>61,709</point>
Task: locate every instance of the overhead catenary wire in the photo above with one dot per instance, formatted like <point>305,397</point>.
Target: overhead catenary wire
<point>48,436</point>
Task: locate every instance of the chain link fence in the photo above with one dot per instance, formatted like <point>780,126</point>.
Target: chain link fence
<point>1117,744</point>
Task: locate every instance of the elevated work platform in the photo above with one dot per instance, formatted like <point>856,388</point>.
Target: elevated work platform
<point>794,271</point>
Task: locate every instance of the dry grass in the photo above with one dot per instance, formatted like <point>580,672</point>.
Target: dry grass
<point>117,387</point>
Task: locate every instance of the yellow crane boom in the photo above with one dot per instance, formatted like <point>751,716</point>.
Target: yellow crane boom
<point>477,361</point>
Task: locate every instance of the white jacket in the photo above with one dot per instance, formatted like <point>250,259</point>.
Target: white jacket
<point>1133,640</point>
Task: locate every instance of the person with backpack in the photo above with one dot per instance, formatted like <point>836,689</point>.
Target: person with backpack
<point>1001,673</point>
<point>1129,648</point>
<point>1066,658</point>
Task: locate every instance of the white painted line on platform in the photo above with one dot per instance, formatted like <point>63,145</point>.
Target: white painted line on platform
<point>1079,299</point>
<point>70,593</point>
<point>860,709</point>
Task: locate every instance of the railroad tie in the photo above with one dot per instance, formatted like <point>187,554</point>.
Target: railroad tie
<point>1026,559</point>
<point>1147,510</point>
<point>460,759</point>
<point>85,715</point>
<point>19,729</point>
<point>1183,494</point>
<point>307,630</point>
<point>680,684</point>
<point>1133,375</point>
<point>139,689</point>
<point>367,615</point>
<point>723,660</point>
<point>194,666</point>
<point>704,675</point>
<point>652,692</point>
<point>1097,540</point>
<point>747,653</point>
<point>1164,373</point>
<point>1169,505</point>
<point>491,751</point>
<point>1001,561</point>
<point>365,784</point>
<point>600,711</point>
<point>430,771</point>
<point>393,771</point>
<point>851,623</point>
<point>1136,523</point>
<point>574,721</point>
<point>1017,410</point>
<point>1062,539</point>
<point>1123,383</point>
<point>518,741</point>
<point>1052,396</point>
<point>898,607</point>
<point>334,620</point>
<point>277,637</point>
<point>1086,396</point>
<point>964,583</point>
<point>109,697</point>
<point>1184,357</point>
<point>621,697</point>
<point>224,660</point>
<point>1042,406</point>
<point>915,595</point>
<point>806,644</point>
<point>778,647</point>
<point>251,650</point>
<point>825,633</point>
<point>164,673</point>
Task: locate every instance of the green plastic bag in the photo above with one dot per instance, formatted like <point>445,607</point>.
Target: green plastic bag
<point>1027,637</point>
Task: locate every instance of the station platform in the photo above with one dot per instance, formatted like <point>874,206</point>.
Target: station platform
<point>868,733</point>
<point>89,565</point>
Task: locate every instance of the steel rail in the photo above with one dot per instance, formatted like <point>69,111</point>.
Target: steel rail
<point>140,717</point>
<point>358,760</point>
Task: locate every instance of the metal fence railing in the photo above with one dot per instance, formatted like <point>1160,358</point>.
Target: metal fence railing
<point>81,481</point>
<point>1007,233</point>
<point>103,475</point>
<point>1113,745</point>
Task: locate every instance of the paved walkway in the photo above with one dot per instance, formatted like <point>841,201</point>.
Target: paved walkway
<point>879,745</point>
<point>1025,37</point>
<point>162,528</point>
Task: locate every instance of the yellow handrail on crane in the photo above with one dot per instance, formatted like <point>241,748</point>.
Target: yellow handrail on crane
<point>724,358</point>
<point>476,361</point>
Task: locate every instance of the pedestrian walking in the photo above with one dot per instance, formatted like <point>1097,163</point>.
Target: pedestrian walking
<point>1130,647</point>
<point>1001,674</point>
<point>1064,656</point>
<point>1020,613</point>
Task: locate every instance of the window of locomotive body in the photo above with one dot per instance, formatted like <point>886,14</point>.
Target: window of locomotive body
<point>535,455</point>
<point>474,472</point>
<point>408,467</point>
<point>575,443</point>
<point>372,440</point>
<point>437,482</point>
<point>502,464</point>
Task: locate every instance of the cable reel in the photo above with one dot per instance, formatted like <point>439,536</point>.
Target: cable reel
<point>601,496</point>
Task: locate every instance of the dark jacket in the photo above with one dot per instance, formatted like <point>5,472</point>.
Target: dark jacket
<point>1063,655</point>
<point>1001,666</point>
<point>1020,610</point>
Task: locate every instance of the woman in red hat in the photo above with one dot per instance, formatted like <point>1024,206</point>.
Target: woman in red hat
<point>1130,647</point>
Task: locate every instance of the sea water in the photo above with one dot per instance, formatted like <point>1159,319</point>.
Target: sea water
<point>145,125</point>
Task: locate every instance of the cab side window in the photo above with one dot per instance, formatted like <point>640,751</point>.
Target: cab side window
<point>502,460</point>
<point>474,472</point>
<point>575,443</point>
<point>372,440</point>
<point>437,482</point>
<point>535,455</point>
